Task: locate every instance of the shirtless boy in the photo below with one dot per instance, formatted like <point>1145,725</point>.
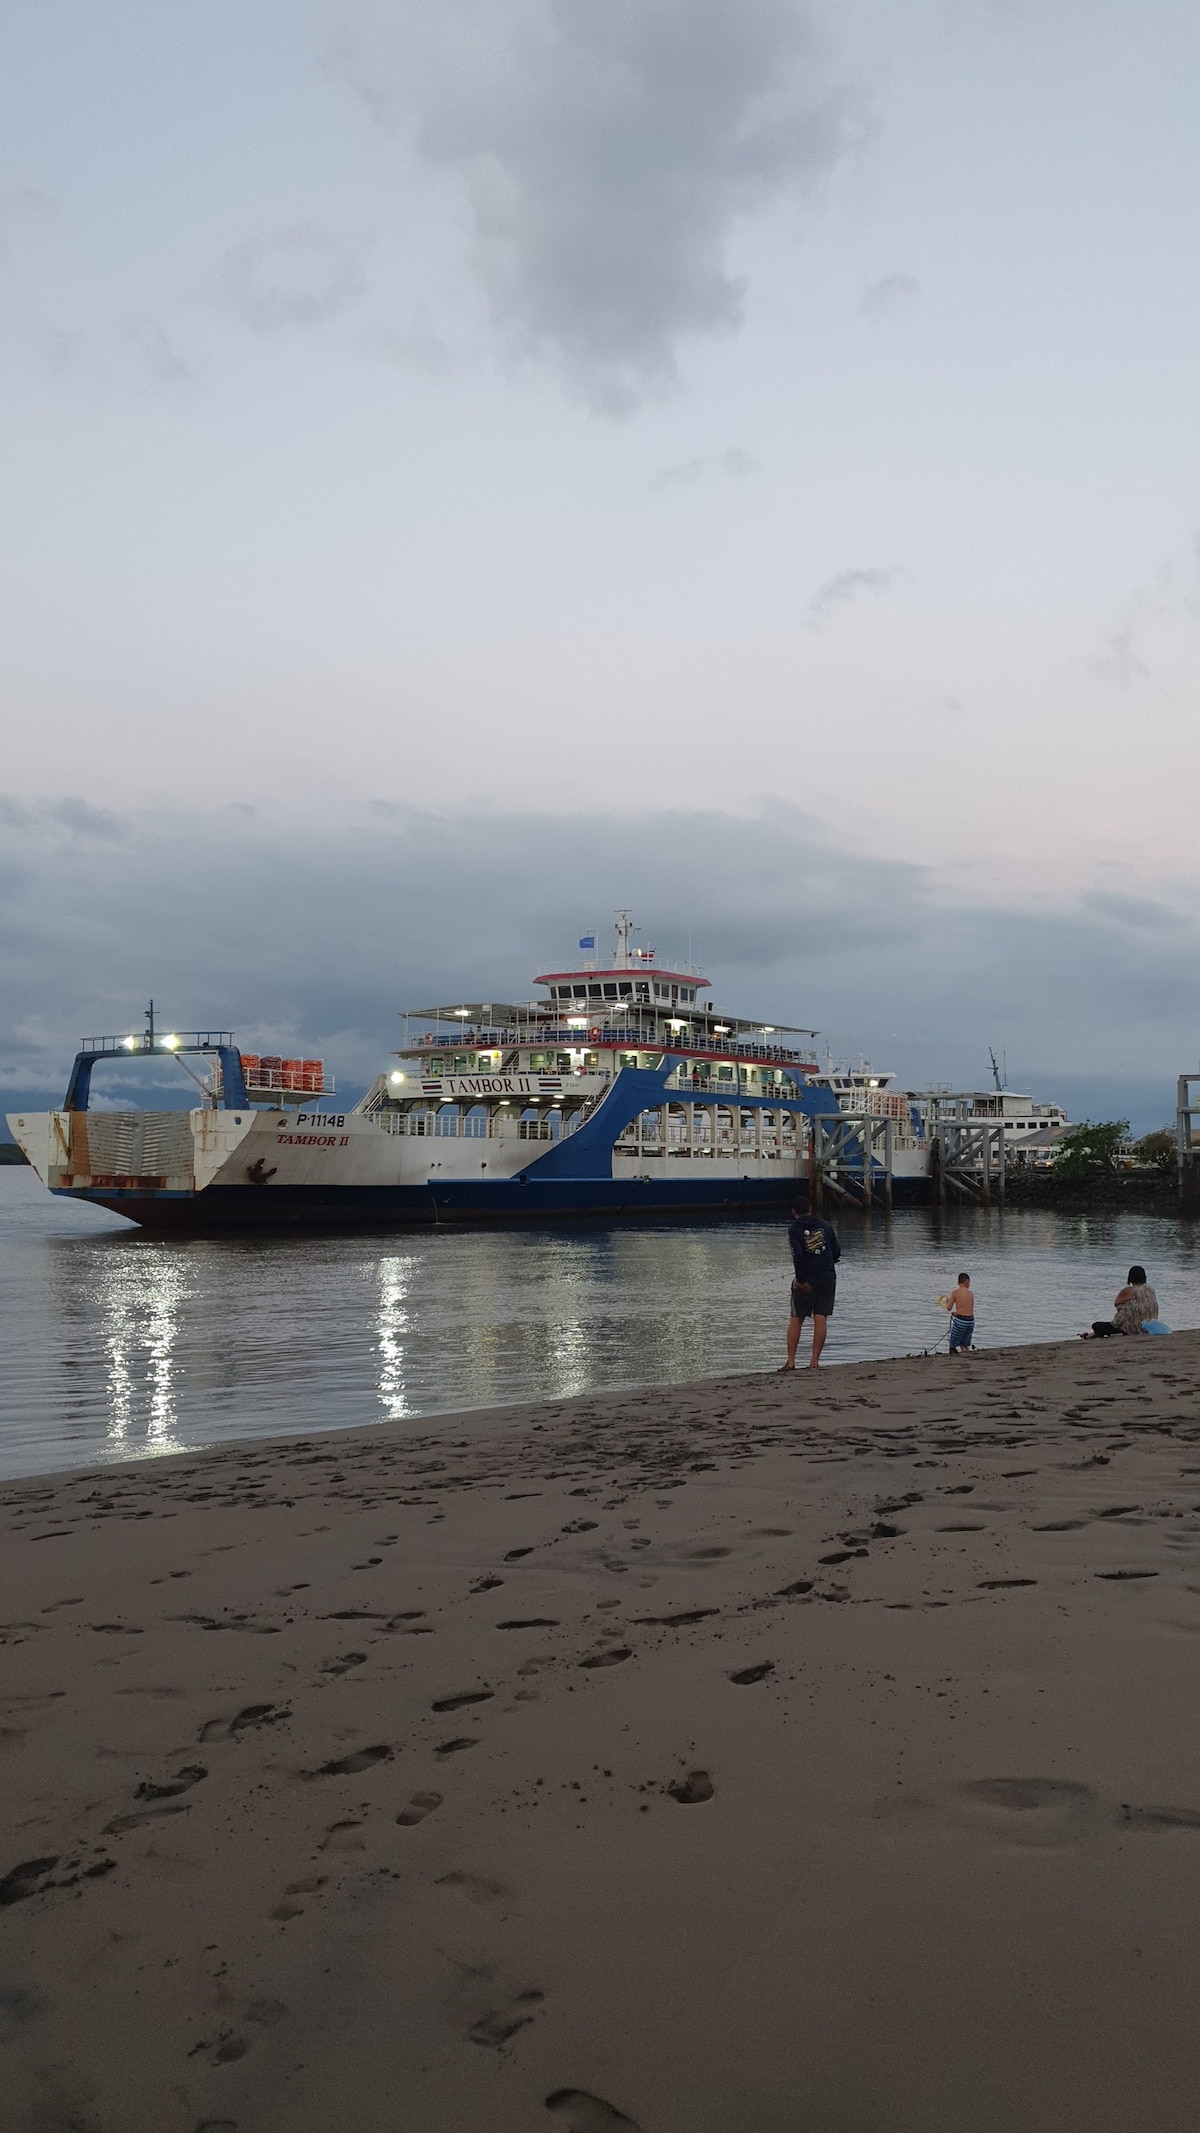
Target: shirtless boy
<point>961,1305</point>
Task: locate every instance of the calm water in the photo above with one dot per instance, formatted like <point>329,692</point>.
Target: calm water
<point>114,1346</point>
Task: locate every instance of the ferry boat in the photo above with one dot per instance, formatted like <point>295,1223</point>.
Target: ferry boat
<point>619,1091</point>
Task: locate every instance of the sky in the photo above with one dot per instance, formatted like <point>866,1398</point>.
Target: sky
<point>469,468</point>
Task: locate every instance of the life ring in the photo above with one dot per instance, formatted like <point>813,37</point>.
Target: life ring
<point>593,1036</point>
<point>429,1040</point>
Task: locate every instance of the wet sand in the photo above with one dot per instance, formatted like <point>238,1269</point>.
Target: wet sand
<point>813,1755</point>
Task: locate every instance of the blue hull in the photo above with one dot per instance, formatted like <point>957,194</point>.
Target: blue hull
<point>229,1210</point>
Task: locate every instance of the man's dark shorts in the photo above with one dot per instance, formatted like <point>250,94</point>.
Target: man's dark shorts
<point>816,1302</point>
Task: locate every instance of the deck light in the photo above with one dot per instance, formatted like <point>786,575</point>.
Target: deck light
<point>170,1044</point>
<point>720,1029</point>
<point>397,1077</point>
<point>463,1013</point>
<point>130,1044</point>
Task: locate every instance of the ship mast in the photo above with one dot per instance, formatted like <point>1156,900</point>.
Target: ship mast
<point>624,929</point>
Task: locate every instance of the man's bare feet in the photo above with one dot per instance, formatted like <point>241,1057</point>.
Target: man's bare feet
<point>783,1369</point>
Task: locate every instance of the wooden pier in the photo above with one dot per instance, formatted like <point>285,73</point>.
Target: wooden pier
<point>852,1157</point>
<point>1187,1142</point>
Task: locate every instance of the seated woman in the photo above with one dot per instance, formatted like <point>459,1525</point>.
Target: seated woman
<point>1133,1305</point>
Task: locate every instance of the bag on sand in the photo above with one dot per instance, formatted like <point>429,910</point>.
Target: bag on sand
<point>1154,1325</point>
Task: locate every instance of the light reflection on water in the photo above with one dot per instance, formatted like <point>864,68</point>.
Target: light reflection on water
<point>117,1347</point>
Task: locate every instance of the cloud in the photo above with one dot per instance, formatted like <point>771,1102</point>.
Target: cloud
<point>414,347</point>
<point>734,463</point>
<point>23,207</point>
<point>299,277</point>
<point>1142,912</point>
<point>843,590</point>
<point>1120,662</point>
<point>607,154</point>
<point>146,338</point>
<point>790,922</point>
<point>889,296</point>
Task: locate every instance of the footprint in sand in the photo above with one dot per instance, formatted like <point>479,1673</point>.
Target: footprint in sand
<point>1025,1810</point>
<point>496,2028</point>
<point>680,1621</point>
<point>344,1664</point>
<point>350,1765</point>
<point>586,2113</point>
<point>24,1880</point>
<point>530,1622</point>
<point>253,1714</point>
<point>121,1823</point>
<point>1128,1817</point>
<point>1122,1577</point>
<point>475,1887</point>
<point>342,1837</point>
<point>746,1675</point>
<point>613,1658</point>
<point>458,1703</point>
<point>456,1746</point>
<point>183,1780</point>
<point>691,1790</point>
<point>420,1804</point>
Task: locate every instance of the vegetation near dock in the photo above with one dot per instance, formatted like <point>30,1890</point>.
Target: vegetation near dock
<point>1095,1167</point>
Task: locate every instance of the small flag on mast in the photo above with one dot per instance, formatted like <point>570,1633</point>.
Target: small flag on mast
<point>588,941</point>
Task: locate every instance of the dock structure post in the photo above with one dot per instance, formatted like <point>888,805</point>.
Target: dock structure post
<point>1001,1164</point>
<point>985,1163</point>
<point>816,1167</point>
<point>889,1150</point>
<point>937,1171</point>
<point>1187,1146</point>
<point>868,1157</point>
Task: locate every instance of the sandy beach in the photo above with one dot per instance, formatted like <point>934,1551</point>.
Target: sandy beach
<point>813,1755</point>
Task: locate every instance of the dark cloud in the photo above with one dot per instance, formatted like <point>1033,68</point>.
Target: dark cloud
<point>735,463</point>
<point>147,340</point>
<point>889,296</point>
<point>608,153</point>
<point>1120,661</point>
<point>1141,912</point>
<point>847,587</point>
<point>403,907</point>
<point>298,277</point>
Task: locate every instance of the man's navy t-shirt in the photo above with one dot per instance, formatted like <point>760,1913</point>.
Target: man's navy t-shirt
<point>815,1250</point>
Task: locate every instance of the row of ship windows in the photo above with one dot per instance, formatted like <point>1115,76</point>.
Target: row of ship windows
<point>566,1062</point>
<point>683,995</point>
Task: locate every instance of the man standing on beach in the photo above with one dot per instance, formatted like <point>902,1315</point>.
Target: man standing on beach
<point>815,1254</point>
